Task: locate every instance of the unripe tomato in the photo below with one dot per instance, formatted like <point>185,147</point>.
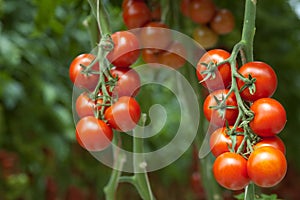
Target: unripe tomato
<point>205,36</point>
<point>230,171</point>
<point>266,166</point>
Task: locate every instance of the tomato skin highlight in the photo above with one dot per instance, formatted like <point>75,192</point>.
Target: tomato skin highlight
<point>269,117</point>
<point>230,171</point>
<point>124,114</point>
<point>220,141</point>
<point>223,72</point>
<point>273,141</point>
<point>213,115</point>
<point>79,79</point>
<point>265,84</point>
<point>93,134</point>
<point>266,166</point>
<point>126,49</point>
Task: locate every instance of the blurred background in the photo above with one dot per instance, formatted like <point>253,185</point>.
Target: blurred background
<point>39,155</point>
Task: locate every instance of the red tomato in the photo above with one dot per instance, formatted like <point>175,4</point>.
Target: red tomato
<point>266,166</point>
<point>124,114</point>
<point>128,83</point>
<point>126,50</point>
<point>184,7</point>
<point>215,116</point>
<point>85,106</point>
<point>174,57</point>
<point>87,81</point>
<point>202,11</point>
<point>128,3</point>
<point>223,22</point>
<point>223,72</point>
<point>269,117</point>
<point>220,142</point>
<point>156,35</point>
<point>230,171</point>
<point>155,11</point>
<point>136,15</point>
<point>265,84</point>
<point>206,37</point>
<point>93,134</point>
<point>274,141</point>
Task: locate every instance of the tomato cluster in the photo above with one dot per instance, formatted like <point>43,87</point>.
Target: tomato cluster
<point>246,121</point>
<point>107,99</point>
<point>212,21</point>
<point>158,46</point>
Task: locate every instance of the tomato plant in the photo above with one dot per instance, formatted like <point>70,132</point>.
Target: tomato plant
<point>81,77</point>
<point>124,114</point>
<point>265,82</point>
<point>220,142</point>
<point>269,117</point>
<point>210,74</point>
<point>266,166</point>
<point>217,111</point>
<point>126,49</point>
<point>230,171</point>
<point>93,134</point>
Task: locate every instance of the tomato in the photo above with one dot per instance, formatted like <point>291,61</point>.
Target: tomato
<point>222,72</point>
<point>269,117</point>
<point>87,81</point>
<point>156,35</point>
<point>274,141</point>
<point>128,3</point>
<point>266,166</point>
<point>202,11</point>
<point>93,134</point>
<point>136,15</point>
<point>220,142</point>
<point>156,11</point>
<point>230,171</point>
<point>128,83</point>
<point>174,57</point>
<point>85,106</point>
<point>126,49</point>
<point>124,114</point>
<point>214,116</point>
<point>265,84</point>
<point>223,22</point>
<point>205,36</point>
<point>184,7</point>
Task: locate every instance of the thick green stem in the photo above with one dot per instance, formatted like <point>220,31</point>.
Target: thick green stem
<point>250,192</point>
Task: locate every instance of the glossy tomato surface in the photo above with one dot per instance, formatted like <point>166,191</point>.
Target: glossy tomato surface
<point>85,106</point>
<point>273,141</point>
<point>126,49</point>
<point>266,166</point>
<point>269,117</point>
<point>230,171</point>
<point>136,15</point>
<point>223,22</point>
<point>215,116</point>
<point>93,134</point>
<point>81,80</point>
<point>265,83</point>
<point>124,114</point>
<point>222,73</point>
<point>202,11</point>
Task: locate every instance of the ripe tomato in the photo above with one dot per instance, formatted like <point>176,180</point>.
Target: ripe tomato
<point>184,7</point>
<point>274,141</point>
<point>128,83</point>
<point>266,166</point>
<point>265,84</point>
<point>223,22</point>
<point>205,36</point>
<point>174,57</point>
<point>85,106</point>
<point>155,11</point>
<point>202,11</point>
<point>126,50</point>
<point>156,35</point>
<point>220,142</point>
<point>136,15</point>
<point>223,72</point>
<point>124,114</point>
<point>269,117</point>
<point>230,171</point>
<point>215,116</point>
<point>128,3</point>
<point>93,134</point>
<point>87,81</point>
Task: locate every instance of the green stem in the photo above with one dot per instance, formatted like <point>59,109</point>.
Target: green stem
<point>250,192</point>
<point>91,26</point>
